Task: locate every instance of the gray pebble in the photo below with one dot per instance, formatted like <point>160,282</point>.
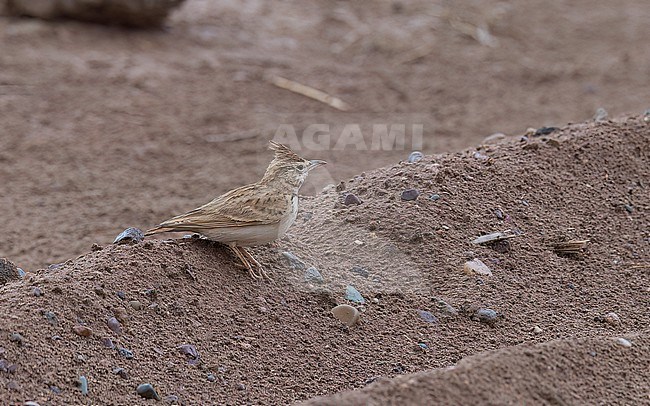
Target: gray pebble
<point>410,194</point>
<point>189,351</point>
<point>37,291</point>
<point>312,275</point>
<point>51,318</point>
<point>121,372</point>
<point>415,156</point>
<point>445,308</point>
<point>171,399</point>
<point>121,294</point>
<point>623,342</point>
<point>129,236</point>
<point>31,403</point>
<point>241,386</point>
<point>212,378</point>
<point>108,343</point>
<point>487,316</point>
<point>434,197</point>
<point>114,325</point>
<point>294,261</point>
<point>17,338</point>
<point>83,385</point>
<point>147,391</point>
<point>427,316</point>
<point>351,199</point>
<point>359,271</point>
<point>499,214</point>
<point>353,295</point>
<point>126,353</point>
<point>55,389</point>
<point>136,305</point>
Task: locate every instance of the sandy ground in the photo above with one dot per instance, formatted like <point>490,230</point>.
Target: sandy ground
<point>105,128</point>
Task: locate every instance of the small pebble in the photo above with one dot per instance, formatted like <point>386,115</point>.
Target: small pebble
<point>21,273</point>
<point>129,236</point>
<point>629,208</point>
<point>241,386</point>
<point>359,271</point>
<point>427,316</point>
<point>499,214</point>
<point>121,294</point>
<point>312,275</point>
<point>114,325</point>
<point>83,385</point>
<point>37,291</point>
<point>612,319</point>
<point>17,338</point>
<point>353,295</point>
<point>423,346</point>
<point>136,305</point>
<point>601,114</point>
<point>212,378</point>
<point>51,318</point>
<point>544,131</point>
<point>126,353</point>
<point>13,385</point>
<point>82,331</point>
<point>99,291</point>
<point>446,308</point>
<point>410,194</point>
<point>346,314</point>
<point>434,197</point>
<point>121,315</point>
<point>108,343</point>
<point>480,156</point>
<point>351,199</point>
<point>189,351</point>
<point>537,330</point>
<point>147,391</point>
<point>55,389</point>
<point>415,156</point>
<point>294,261</point>
<point>171,399</point>
<point>623,342</point>
<point>487,316</point>
<point>476,266</point>
<point>121,372</point>
<point>31,403</point>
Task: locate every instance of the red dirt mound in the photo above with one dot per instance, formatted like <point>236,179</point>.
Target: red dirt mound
<point>561,372</point>
<point>272,343</point>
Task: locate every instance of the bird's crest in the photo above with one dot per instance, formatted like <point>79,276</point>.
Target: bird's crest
<point>283,153</point>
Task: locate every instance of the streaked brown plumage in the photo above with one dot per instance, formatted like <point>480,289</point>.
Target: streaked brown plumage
<point>250,215</point>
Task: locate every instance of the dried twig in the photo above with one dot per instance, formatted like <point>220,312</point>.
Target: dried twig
<point>310,92</point>
<point>571,247</point>
<point>494,237</point>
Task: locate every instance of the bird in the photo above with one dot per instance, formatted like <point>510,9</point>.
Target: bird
<point>250,215</point>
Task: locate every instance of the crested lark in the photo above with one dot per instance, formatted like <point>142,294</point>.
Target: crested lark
<point>250,215</point>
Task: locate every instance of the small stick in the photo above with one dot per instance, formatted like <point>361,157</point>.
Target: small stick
<point>310,92</point>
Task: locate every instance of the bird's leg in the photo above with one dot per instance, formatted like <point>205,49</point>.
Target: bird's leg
<point>254,261</point>
<point>244,261</point>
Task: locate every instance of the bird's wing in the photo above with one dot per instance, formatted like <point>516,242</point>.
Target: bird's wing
<point>245,206</point>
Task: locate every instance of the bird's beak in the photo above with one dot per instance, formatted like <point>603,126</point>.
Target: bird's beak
<point>315,163</point>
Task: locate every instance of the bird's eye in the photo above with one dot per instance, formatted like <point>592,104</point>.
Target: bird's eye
<point>301,167</point>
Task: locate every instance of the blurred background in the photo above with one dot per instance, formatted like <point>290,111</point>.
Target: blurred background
<point>105,127</point>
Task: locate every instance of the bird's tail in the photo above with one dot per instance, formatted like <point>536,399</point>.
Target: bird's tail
<point>156,230</point>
